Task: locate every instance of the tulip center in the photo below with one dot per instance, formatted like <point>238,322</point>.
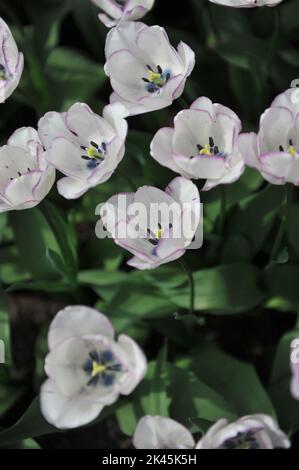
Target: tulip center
<point>102,368</point>
<point>210,149</point>
<point>244,440</point>
<point>291,149</point>
<point>156,79</point>
<point>3,75</point>
<point>94,154</point>
<point>155,236</point>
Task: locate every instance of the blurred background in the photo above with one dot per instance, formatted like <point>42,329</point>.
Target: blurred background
<point>50,256</point>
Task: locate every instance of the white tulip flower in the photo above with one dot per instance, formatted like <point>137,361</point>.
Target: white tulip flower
<point>274,151</point>
<point>247,3</point>
<point>256,431</point>
<point>156,226</point>
<point>11,62</point>
<point>87,368</point>
<point>158,432</point>
<point>85,147</point>
<point>145,71</point>
<point>115,11</point>
<point>202,144</point>
<point>26,177</point>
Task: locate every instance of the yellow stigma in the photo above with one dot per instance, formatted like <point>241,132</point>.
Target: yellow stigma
<point>153,76</point>
<point>206,150</point>
<point>91,151</point>
<point>292,151</point>
<point>97,369</point>
<point>159,234</point>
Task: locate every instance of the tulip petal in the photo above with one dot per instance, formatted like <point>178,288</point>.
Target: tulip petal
<point>157,432</point>
<point>137,362</point>
<point>78,320</point>
<point>66,412</point>
<point>53,125</point>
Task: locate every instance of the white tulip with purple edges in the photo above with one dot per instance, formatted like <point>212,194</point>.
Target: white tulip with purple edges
<point>85,147</point>
<point>115,11</point>
<point>11,63</point>
<point>247,3</point>
<point>159,240</point>
<point>25,177</point>
<point>87,368</point>
<point>145,71</point>
<point>274,151</point>
<point>202,144</point>
<point>256,431</point>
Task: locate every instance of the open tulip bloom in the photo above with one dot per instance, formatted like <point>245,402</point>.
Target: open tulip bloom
<point>87,368</point>
<point>145,71</point>
<point>202,144</point>
<point>156,226</point>
<point>85,147</point>
<point>274,150</point>
<point>122,10</point>
<point>11,62</point>
<point>250,432</point>
<point>157,432</point>
<point>26,177</point>
<point>256,431</point>
<point>247,3</point>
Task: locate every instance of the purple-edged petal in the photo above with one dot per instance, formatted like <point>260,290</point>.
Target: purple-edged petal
<point>247,144</point>
<point>205,104</point>
<point>282,165</point>
<point>276,125</point>
<point>53,125</point>
<point>21,137</point>
<point>83,122</point>
<point>161,150</point>
<point>202,166</point>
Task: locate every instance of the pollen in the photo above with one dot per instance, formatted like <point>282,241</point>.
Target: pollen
<point>91,151</point>
<point>206,150</point>
<point>153,76</point>
<point>159,233</point>
<point>292,151</point>
<point>97,369</point>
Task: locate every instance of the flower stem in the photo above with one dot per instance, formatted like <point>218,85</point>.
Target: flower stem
<point>283,226</point>
<point>222,209</point>
<point>189,273</point>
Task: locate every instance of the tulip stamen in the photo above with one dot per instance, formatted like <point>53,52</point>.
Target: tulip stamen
<point>291,150</point>
<point>244,440</point>
<point>3,75</point>
<point>102,368</point>
<point>155,237</point>
<point>210,149</point>
<point>156,79</point>
<point>95,154</point>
